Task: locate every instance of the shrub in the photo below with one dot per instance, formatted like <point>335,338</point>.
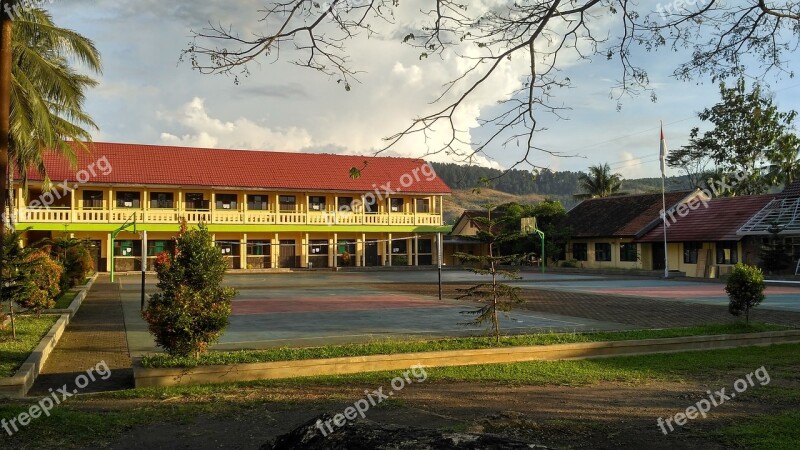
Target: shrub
<point>745,289</point>
<point>572,264</point>
<point>77,264</point>
<point>40,276</point>
<point>192,309</point>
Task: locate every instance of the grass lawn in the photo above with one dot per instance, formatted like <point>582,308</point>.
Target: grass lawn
<point>388,347</point>
<point>85,420</point>
<point>63,301</point>
<point>29,332</point>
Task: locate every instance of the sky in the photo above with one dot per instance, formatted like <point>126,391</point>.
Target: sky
<point>147,96</point>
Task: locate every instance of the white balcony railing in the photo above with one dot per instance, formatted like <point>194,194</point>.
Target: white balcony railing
<point>248,217</point>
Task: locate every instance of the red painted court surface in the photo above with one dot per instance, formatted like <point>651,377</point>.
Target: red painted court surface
<point>339,303</point>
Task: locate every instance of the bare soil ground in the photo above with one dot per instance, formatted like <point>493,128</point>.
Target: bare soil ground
<point>601,416</point>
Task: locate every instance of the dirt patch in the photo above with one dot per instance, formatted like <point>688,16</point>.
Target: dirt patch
<point>642,312</point>
<point>604,416</point>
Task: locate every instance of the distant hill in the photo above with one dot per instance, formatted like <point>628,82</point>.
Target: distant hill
<point>463,199</point>
<point>522,187</point>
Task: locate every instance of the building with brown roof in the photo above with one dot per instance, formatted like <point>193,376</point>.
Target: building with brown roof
<point>703,241</point>
<point>603,230</point>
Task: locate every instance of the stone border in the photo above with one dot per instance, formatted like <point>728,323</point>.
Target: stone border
<point>147,377</point>
<point>19,384</point>
<point>76,302</point>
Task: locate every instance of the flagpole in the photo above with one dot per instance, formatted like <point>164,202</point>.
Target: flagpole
<point>663,154</point>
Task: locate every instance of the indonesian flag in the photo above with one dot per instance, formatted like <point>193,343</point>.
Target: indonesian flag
<point>663,153</point>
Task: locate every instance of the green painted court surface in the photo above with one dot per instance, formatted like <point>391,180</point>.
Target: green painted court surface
<point>317,308</point>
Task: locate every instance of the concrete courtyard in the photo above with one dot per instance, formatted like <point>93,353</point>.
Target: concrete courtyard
<point>322,307</point>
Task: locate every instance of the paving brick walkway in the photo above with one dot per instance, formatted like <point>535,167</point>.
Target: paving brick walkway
<point>95,334</point>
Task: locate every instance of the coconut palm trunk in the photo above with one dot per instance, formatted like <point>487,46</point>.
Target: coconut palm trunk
<point>6,31</point>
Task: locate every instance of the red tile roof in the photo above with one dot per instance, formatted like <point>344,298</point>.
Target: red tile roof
<point>621,216</point>
<point>718,222</point>
<point>136,164</point>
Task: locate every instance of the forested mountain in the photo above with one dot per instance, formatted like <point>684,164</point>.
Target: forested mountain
<point>557,185</point>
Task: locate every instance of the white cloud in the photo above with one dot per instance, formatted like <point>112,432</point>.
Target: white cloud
<point>202,130</point>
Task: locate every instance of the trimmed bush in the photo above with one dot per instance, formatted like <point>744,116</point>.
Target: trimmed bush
<point>40,282</point>
<point>77,264</point>
<point>192,309</point>
<point>745,289</point>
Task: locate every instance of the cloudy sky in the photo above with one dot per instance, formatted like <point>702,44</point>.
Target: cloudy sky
<point>146,96</point>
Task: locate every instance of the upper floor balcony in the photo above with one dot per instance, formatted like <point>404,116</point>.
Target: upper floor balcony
<point>224,217</point>
<point>92,206</point>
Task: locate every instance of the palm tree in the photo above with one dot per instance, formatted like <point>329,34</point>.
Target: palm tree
<point>47,94</point>
<point>599,182</point>
<point>784,161</point>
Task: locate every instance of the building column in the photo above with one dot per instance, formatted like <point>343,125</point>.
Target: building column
<point>332,251</point>
<point>243,252</point>
<point>389,251</point>
<point>275,250</point>
<point>109,252</point>
<point>361,251</point>
<point>410,251</point>
<point>416,249</point>
<point>304,251</point>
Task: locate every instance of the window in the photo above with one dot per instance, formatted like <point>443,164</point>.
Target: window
<point>396,204</point>
<point>400,246</point>
<point>226,201</point>
<point>370,207</point>
<point>423,205</point>
<point>602,251</point>
<point>128,199</point>
<point>257,202</point>
<point>424,246</point>
<point>316,203</point>
<point>156,247</point>
<point>228,248</point>
<point>344,203</point>
<point>318,247</point>
<point>161,200</point>
<point>258,248</point>
<point>127,248</point>
<point>727,252</point>
<point>196,201</point>
<point>690,250</point>
<point>580,251</point>
<point>92,199</point>
<point>346,246</point>
<point>628,252</point>
<point>288,202</point>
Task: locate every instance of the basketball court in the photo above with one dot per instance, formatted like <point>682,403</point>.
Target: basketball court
<point>318,308</point>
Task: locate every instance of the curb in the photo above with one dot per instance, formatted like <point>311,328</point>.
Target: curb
<point>151,377</point>
<point>20,383</point>
<point>73,307</point>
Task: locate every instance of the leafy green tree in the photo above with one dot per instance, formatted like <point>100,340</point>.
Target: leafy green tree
<point>749,134</point>
<point>73,255</point>
<point>745,289</point>
<point>192,308</point>
<point>30,276</point>
<point>47,92</point>
<point>495,296</point>
<point>599,182</point>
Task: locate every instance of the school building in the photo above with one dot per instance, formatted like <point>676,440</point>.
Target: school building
<point>264,209</point>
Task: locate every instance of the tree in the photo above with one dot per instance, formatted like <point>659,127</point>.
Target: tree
<point>745,288</point>
<point>694,161</point>
<point>496,296</point>
<point>599,182</point>
<point>192,308</point>
<point>48,94</point>
<point>74,257</point>
<point>536,40</point>
<point>30,274</point>
<point>749,135</point>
